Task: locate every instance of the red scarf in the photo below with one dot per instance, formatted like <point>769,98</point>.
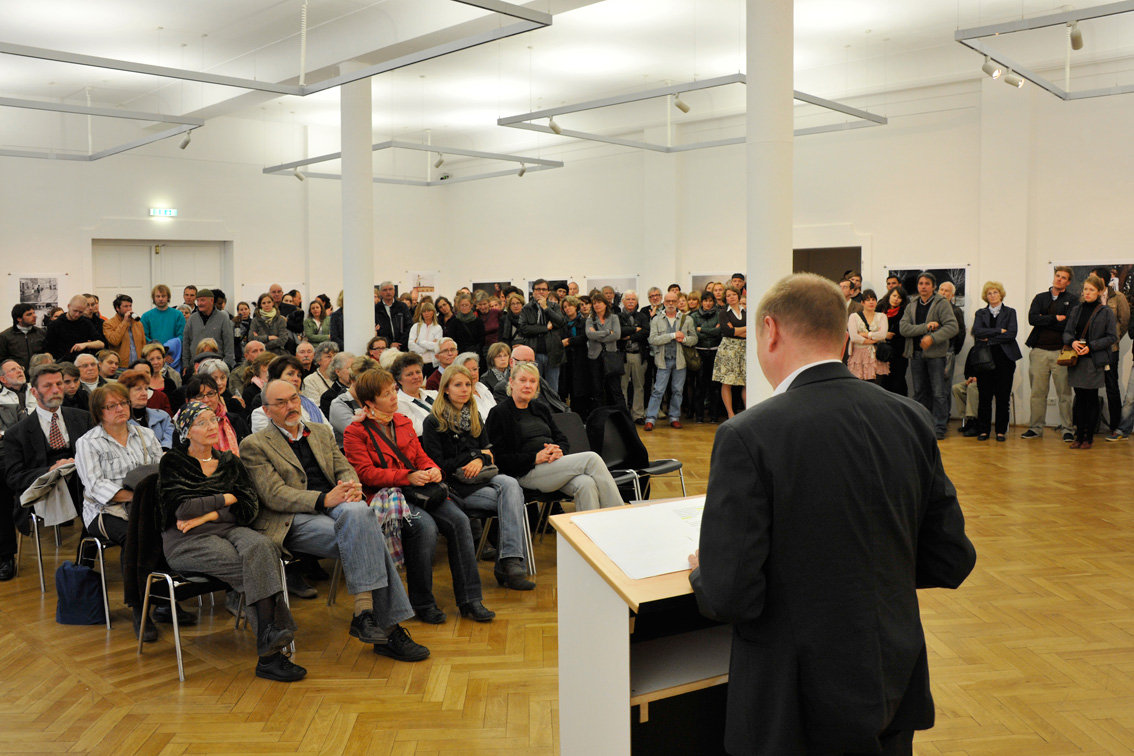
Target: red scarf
<point>226,441</point>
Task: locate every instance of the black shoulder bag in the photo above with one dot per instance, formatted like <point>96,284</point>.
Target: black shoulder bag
<point>427,497</point>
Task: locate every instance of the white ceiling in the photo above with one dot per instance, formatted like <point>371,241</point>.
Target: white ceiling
<point>595,48</point>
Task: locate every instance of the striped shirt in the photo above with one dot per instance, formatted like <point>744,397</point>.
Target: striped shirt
<point>102,464</point>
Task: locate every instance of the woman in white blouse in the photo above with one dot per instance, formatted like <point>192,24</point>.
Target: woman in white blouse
<point>424,337</point>
<point>485,401</point>
<point>867,329</point>
<point>414,402</point>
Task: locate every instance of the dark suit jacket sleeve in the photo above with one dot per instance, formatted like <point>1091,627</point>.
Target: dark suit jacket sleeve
<point>21,467</point>
<point>959,339</point>
<point>735,534</point>
<point>945,556</point>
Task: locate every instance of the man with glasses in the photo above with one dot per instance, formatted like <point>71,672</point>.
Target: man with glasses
<point>311,502</point>
<point>446,354</point>
<point>540,321</point>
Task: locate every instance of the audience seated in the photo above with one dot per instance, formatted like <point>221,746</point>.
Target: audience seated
<point>305,353</point>
<point>107,364</point>
<point>345,406</point>
<point>233,427</point>
<point>447,350</point>
<point>377,346</point>
<point>322,377</point>
<point>499,356</point>
<point>14,407</point>
<point>237,379</point>
<point>74,395</point>
<point>545,397</point>
<point>312,503</point>
<point>88,372</point>
<point>414,402</point>
<point>287,369</point>
<point>157,421</point>
<point>485,401</point>
<point>340,368</point>
<point>219,372</point>
<point>255,378</point>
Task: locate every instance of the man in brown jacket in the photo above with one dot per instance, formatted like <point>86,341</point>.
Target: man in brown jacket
<point>311,502</point>
<point>124,333</point>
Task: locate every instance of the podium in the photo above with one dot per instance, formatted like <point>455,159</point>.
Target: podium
<point>627,643</point>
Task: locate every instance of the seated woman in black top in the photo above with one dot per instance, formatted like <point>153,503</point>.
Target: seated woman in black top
<point>532,450</point>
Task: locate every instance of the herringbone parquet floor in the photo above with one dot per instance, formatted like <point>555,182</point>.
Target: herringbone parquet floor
<point>1034,655</point>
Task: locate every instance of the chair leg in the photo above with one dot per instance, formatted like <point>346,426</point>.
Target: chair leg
<point>334,582</point>
<point>529,551</point>
<point>176,629</point>
<point>58,537</point>
<point>545,519</point>
<point>102,579</point>
<point>484,537</point>
<point>38,553</point>
<point>240,613</point>
<point>286,599</point>
<point>145,613</point>
<point>19,550</point>
<point>681,474</point>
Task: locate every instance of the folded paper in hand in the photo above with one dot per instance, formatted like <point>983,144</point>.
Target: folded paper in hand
<point>50,497</point>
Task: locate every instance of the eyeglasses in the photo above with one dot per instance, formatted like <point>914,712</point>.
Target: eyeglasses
<point>540,288</point>
<point>208,395</point>
<point>116,406</point>
<point>206,422</point>
<point>281,403</point>
<point>450,350</point>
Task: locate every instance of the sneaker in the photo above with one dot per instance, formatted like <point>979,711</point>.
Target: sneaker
<point>298,587</point>
<point>1116,436</point>
<point>1029,433</point>
<point>431,615</point>
<point>365,627</point>
<point>1068,437</point>
<point>271,639</point>
<point>400,646</point>
<point>279,668</point>
<point>649,426</point>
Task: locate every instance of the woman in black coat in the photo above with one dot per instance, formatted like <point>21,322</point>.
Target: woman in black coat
<point>995,326</point>
<point>466,328</point>
<point>575,378</point>
<point>1090,330</point>
<point>894,305</point>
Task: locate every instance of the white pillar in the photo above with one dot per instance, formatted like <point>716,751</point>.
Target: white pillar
<point>358,215</point>
<point>769,161</point>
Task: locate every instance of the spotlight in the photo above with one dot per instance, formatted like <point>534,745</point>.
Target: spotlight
<point>295,172</point>
<point>1076,36</point>
<point>522,171</point>
<point>185,141</point>
<point>681,104</point>
<point>1013,80</point>
<point>554,126</point>
<point>991,68</point>
<point>439,161</point>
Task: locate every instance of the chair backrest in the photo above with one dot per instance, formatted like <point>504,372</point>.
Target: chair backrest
<point>570,424</point>
<point>621,448</point>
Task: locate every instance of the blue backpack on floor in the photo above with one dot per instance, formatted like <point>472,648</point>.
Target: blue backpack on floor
<point>80,595</point>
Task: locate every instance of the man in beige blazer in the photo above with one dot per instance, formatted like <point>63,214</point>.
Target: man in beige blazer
<point>311,503</point>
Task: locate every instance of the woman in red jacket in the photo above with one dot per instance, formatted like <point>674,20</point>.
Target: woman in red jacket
<point>385,452</point>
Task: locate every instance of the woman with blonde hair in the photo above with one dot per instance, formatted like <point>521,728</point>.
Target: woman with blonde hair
<point>995,327</point>
<point>424,336</point>
<point>455,439</point>
<point>1089,331</point>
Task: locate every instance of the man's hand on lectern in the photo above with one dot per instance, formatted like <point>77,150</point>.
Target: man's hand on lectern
<point>695,559</point>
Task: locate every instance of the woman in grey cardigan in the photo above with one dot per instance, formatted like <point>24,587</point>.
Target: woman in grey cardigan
<point>269,327</point>
<point>1090,330</point>
<point>603,332</point>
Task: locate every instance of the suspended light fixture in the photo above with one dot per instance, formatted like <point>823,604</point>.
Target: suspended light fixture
<point>681,104</point>
<point>551,124</point>
<point>439,161</point>
<point>1013,80</point>
<point>991,68</point>
<point>522,171</point>
<point>188,138</point>
<point>295,172</point>
<point>1076,35</point>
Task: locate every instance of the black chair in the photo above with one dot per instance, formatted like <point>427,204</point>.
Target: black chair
<point>622,448</point>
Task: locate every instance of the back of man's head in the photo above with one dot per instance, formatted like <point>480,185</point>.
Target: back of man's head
<point>808,309</point>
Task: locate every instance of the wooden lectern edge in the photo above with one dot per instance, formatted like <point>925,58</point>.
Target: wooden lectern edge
<point>633,592</point>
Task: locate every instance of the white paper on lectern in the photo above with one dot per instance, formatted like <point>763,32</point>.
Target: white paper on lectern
<point>647,541</point>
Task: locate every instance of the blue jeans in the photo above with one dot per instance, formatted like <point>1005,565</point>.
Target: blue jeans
<point>929,387</point>
<point>547,372</point>
<point>664,375</point>
<point>419,540</point>
<point>351,532</point>
<point>504,499</point>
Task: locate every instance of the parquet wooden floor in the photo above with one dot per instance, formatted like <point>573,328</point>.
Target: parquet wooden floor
<point>1034,655</point>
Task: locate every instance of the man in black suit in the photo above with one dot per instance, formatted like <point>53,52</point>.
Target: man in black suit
<point>392,317</point>
<point>32,447</point>
<point>819,574</point>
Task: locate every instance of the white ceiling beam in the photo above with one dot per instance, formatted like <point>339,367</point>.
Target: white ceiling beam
<point>63,107</point>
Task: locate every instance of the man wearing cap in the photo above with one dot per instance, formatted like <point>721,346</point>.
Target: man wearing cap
<point>209,323</point>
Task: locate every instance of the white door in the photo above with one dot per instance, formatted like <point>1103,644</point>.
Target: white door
<point>135,267</point>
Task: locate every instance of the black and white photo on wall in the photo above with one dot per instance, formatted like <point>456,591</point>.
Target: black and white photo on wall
<point>908,277</point>
<point>1119,276</point>
<point>620,284</point>
<point>41,291</point>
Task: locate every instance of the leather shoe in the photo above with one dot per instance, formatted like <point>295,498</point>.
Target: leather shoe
<point>272,639</point>
<point>365,627</point>
<point>675,424</point>
<point>7,568</point>
<point>184,619</point>
<point>475,610</point>
<point>649,426</point>
<point>279,668</point>
<point>511,573</point>
<point>150,634</point>
<point>298,587</point>
<point>312,570</point>
<point>489,554</point>
<point>639,421</point>
<point>400,646</point>
<point>431,615</point>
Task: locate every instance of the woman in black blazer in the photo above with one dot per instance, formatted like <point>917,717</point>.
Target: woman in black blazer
<point>996,326</point>
<point>1097,321</point>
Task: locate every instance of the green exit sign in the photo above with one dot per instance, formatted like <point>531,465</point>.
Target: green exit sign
<point>163,212</point>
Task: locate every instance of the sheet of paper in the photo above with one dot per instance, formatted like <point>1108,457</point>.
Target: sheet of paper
<point>647,541</point>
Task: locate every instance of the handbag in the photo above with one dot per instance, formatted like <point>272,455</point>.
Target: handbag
<point>613,363</point>
<point>883,350</point>
<point>487,473</point>
<point>979,359</point>
<point>79,595</point>
<point>692,356</point>
<point>427,496</point>
<point>1068,357</point>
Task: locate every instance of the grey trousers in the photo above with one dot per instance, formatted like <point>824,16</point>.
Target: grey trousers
<point>1043,370</point>
<point>244,558</point>
<point>583,476</point>
<point>636,372</point>
<point>967,399</point>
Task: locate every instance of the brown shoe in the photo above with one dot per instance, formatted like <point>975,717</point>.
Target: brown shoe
<point>1076,444</point>
<point>675,424</point>
<point>1085,445</point>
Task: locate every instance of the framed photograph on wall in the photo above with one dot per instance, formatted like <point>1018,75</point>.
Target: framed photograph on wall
<point>698,281</point>
<point>42,291</point>
<point>423,281</point>
<point>957,276</point>
<point>620,284</point>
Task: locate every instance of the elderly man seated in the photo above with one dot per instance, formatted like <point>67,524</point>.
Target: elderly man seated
<point>311,502</point>
<point>546,396</point>
<point>446,355</point>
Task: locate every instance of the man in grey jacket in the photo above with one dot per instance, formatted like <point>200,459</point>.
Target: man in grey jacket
<point>669,331</point>
<point>928,325</point>
<point>208,323</point>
